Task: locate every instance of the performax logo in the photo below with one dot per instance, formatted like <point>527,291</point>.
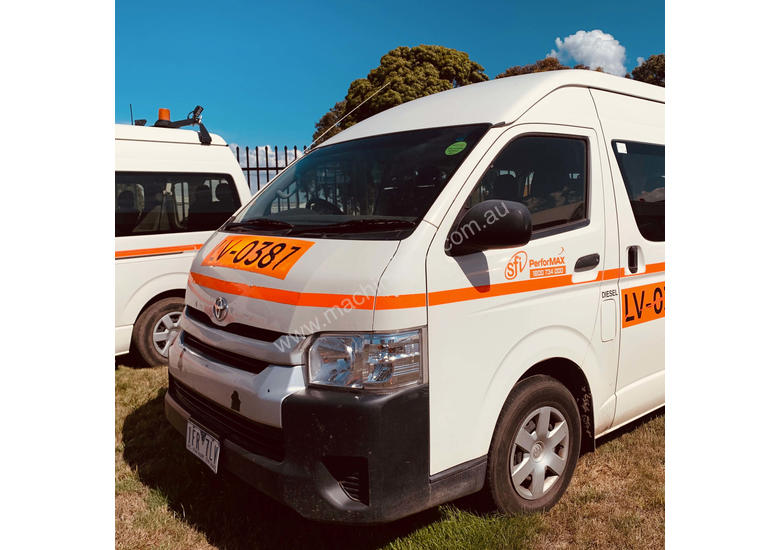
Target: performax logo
<point>545,262</point>
<point>547,267</point>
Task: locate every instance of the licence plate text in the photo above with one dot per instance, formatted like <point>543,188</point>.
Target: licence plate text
<point>203,445</point>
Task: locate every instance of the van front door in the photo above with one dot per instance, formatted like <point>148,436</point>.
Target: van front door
<point>495,313</point>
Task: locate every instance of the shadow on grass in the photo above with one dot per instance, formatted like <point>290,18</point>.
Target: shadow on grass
<point>230,513</point>
<point>131,359</point>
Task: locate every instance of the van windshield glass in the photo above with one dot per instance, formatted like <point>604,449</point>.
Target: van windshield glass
<point>378,187</point>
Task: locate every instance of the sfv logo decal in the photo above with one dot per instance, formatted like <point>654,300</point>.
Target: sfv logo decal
<point>516,265</point>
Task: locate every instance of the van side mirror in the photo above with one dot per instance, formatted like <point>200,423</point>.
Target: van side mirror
<point>490,224</point>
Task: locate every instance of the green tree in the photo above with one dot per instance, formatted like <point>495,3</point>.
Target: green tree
<point>329,119</point>
<point>543,65</point>
<point>412,73</point>
<point>652,70</point>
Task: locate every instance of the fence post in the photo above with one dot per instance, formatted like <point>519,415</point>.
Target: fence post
<point>257,167</point>
<point>248,178</point>
<point>267,173</point>
<point>276,172</point>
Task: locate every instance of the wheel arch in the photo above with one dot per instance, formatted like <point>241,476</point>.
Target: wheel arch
<point>552,350</point>
<point>157,288</point>
<point>568,373</point>
<point>172,293</point>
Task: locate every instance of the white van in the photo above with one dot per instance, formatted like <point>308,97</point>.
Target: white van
<point>464,291</point>
<point>171,192</point>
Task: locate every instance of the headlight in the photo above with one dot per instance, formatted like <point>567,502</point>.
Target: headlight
<point>370,361</point>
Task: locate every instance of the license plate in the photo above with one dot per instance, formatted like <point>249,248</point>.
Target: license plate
<point>203,445</point>
<point>272,256</point>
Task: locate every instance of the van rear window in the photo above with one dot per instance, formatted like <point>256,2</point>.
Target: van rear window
<point>642,166</point>
<point>150,203</point>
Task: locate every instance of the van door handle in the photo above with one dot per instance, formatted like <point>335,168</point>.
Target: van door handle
<point>587,262</point>
<point>633,259</point>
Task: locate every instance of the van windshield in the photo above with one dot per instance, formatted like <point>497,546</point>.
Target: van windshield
<point>378,187</point>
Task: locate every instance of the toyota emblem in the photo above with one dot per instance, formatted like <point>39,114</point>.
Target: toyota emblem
<point>220,308</point>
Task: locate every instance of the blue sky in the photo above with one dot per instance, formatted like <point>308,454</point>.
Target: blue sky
<point>267,71</point>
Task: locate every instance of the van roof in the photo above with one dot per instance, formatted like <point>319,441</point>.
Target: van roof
<point>169,135</point>
<point>502,100</point>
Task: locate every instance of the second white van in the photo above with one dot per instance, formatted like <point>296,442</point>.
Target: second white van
<point>171,192</point>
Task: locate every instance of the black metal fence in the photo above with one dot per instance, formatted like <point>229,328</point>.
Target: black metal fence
<point>262,164</point>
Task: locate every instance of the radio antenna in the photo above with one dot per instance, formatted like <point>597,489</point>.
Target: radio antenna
<point>322,135</point>
<point>131,115</point>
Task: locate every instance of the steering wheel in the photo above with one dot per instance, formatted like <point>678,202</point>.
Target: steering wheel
<point>321,206</point>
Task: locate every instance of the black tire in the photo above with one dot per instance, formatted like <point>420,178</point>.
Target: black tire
<point>143,329</point>
<point>532,394</point>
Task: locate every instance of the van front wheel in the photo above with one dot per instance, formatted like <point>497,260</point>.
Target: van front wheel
<point>156,328</point>
<point>535,447</point>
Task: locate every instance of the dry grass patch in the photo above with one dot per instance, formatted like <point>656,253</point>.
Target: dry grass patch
<point>143,519</point>
<point>166,498</point>
<point>616,498</point>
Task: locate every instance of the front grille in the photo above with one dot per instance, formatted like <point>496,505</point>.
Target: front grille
<point>225,357</point>
<point>248,331</point>
<point>256,438</point>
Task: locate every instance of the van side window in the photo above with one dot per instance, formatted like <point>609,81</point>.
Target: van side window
<point>642,166</point>
<point>151,203</point>
<point>547,174</point>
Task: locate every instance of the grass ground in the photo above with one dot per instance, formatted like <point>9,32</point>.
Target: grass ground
<point>165,498</point>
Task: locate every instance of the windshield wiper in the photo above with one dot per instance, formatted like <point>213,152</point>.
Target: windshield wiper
<point>358,226</point>
<point>258,223</point>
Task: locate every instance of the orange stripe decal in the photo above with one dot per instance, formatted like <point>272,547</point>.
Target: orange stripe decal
<point>154,251</point>
<point>501,289</point>
<point>401,301</point>
<point>618,273</point>
<point>436,298</point>
<point>660,267</point>
<point>288,297</point>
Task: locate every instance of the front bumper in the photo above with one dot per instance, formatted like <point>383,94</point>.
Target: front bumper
<point>341,456</point>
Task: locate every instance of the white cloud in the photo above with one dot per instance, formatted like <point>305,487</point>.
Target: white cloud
<point>593,48</point>
<point>639,61</point>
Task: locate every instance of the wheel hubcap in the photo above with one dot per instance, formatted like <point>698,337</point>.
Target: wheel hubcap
<point>539,452</point>
<point>536,451</point>
<point>165,332</point>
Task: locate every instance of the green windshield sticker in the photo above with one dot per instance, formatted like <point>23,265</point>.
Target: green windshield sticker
<point>455,148</point>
